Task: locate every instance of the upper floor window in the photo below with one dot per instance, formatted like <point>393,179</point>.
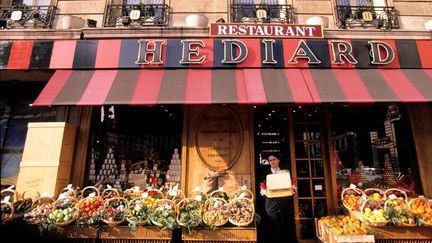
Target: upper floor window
<point>365,13</point>
<point>261,11</point>
<point>136,13</point>
<point>26,13</point>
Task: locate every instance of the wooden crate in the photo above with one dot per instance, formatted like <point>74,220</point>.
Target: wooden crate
<point>47,157</point>
<point>73,234</point>
<point>147,234</point>
<point>219,235</point>
<point>403,234</point>
<point>349,238</point>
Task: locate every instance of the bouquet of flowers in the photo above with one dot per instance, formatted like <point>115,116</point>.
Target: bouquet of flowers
<point>164,214</point>
<point>114,210</point>
<point>189,212</point>
<point>139,212</point>
<point>216,211</point>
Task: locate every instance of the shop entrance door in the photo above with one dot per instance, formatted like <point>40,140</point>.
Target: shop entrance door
<point>295,133</point>
<point>309,169</point>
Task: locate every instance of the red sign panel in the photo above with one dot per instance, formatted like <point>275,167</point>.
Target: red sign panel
<point>266,30</point>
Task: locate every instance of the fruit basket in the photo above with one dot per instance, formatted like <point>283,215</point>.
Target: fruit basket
<point>64,211</point>
<point>242,211</point>
<point>7,211</point>
<point>90,210</point>
<point>114,211</point>
<point>372,212</point>
<point>139,212</point>
<point>352,198</point>
<point>421,209</point>
<point>164,214</point>
<point>397,210</point>
<point>189,212</point>
<point>375,194</point>
<point>216,211</point>
<point>41,208</point>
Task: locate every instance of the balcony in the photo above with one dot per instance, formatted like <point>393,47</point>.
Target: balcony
<point>136,15</point>
<point>24,16</point>
<point>262,13</point>
<point>366,16</point>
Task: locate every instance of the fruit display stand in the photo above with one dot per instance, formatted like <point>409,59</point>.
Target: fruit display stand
<point>147,234</point>
<point>220,234</point>
<point>73,234</point>
<point>402,234</point>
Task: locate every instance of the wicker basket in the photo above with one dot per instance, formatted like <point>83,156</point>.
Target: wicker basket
<point>110,193</point>
<point>37,205</point>
<point>32,192</point>
<point>175,195</point>
<point>131,193</point>
<point>87,189</point>
<point>216,211</point>
<point>371,191</point>
<point>69,192</point>
<point>145,208</point>
<point>365,218</point>
<point>196,212</point>
<point>414,211</point>
<point>243,193</point>
<point>236,206</point>
<point>388,208</point>
<point>163,204</point>
<point>108,206</point>
<point>219,194</point>
<point>198,195</point>
<point>73,202</point>
<point>8,192</point>
<point>358,194</point>
<point>6,216</point>
<point>84,218</point>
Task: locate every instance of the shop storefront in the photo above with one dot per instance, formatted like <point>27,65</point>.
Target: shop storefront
<point>171,111</point>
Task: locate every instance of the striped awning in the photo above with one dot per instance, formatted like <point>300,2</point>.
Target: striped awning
<point>235,86</point>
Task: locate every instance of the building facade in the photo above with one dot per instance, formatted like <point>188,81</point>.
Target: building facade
<point>230,82</point>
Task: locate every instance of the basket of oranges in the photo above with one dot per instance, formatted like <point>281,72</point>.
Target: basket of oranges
<point>422,210</point>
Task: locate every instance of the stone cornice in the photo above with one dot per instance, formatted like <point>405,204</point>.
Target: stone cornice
<point>184,32</point>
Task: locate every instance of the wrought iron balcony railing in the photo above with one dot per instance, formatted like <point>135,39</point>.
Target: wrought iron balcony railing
<point>136,15</point>
<point>262,13</point>
<point>366,16</point>
<point>25,16</point>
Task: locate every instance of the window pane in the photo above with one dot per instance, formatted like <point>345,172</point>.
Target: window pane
<point>320,208</point>
<point>307,229</point>
<point>302,168</point>
<point>305,208</point>
<point>301,150</point>
<point>300,132</point>
<point>317,168</point>
<point>318,187</point>
<point>304,188</point>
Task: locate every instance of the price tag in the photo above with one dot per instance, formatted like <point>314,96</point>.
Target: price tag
<point>62,195</point>
<point>318,187</point>
<point>244,187</point>
<point>136,188</point>
<point>69,186</point>
<point>173,193</point>
<point>198,198</point>
<point>221,188</point>
<point>176,187</point>
<point>197,188</point>
<point>392,196</point>
<point>6,199</point>
<point>352,186</point>
<point>144,195</point>
<point>242,195</point>
<point>109,186</point>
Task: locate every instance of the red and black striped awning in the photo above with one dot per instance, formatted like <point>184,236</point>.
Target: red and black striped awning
<point>235,86</point>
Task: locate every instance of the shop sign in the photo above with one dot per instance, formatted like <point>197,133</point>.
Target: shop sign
<point>241,30</point>
<point>235,51</point>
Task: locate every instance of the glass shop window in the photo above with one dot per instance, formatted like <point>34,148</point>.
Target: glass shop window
<point>373,147</point>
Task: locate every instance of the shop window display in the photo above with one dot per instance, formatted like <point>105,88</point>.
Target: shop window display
<point>373,147</point>
<point>136,146</point>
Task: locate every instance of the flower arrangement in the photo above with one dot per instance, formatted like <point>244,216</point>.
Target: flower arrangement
<point>242,211</point>
<point>216,212</point>
<point>139,212</point>
<point>189,213</point>
<point>114,210</point>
